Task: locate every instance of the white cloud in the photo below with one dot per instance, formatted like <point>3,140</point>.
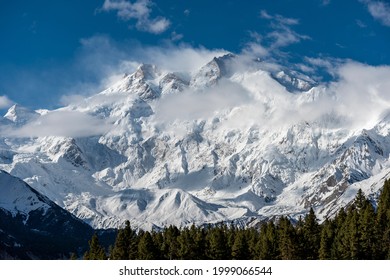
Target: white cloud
<point>5,102</point>
<point>357,99</point>
<point>360,23</point>
<point>282,34</point>
<point>140,11</point>
<point>156,26</point>
<point>176,36</point>
<point>255,49</point>
<point>379,10</point>
<point>192,105</point>
<point>330,65</point>
<point>61,123</point>
<point>279,18</point>
<point>359,96</point>
<point>284,37</point>
<point>102,53</point>
<point>264,14</point>
<point>363,92</point>
<point>182,58</point>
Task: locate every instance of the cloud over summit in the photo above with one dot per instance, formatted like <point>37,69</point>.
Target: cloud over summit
<point>140,11</point>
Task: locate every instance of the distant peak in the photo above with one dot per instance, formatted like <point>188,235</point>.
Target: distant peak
<point>226,56</point>
<point>214,70</point>
<point>13,110</point>
<point>20,114</point>
<point>147,71</point>
<point>14,107</point>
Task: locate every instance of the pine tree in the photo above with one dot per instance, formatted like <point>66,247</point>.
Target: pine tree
<point>96,251</point>
<point>217,248</point>
<point>187,244</point>
<point>125,247</point>
<point>252,237</point>
<point>340,248</point>
<point>300,238</point>
<point>360,201</point>
<point>327,240</point>
<point>384,206</point>
<point>200,241</point>
<point>192,243</point>
<point>267,247</point>
<point>158,239</point>
<point>170,246</point>
<point>383,220</point>
<point>369,233</point>
<point>73,256</point>
<point>311,236</point>
<point>231,235</point>
<point>353,235</point>
<point>146,247</point>
<point>287,240</point>
<point>240,249</point>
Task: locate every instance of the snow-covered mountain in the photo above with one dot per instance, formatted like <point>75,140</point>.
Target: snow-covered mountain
<point>32,226</point>
<point>231,141</point>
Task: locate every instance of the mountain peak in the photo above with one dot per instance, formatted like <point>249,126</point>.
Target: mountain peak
<point>143,82</point>
<point>217,68</point>
<point>226,57</point>
<point>147,72</point>
<point>20,115</point>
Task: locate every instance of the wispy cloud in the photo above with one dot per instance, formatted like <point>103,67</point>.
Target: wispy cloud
<point>5,102</point>
<point>329,64</point>
<point>140,11</point>
<point>282,34</point>
<point>60,123</point>
<point>174,58</point>
<point>198,104</point>
<point>379,10</point>
<point>281,20</point>
<point>363,92</point>
<point>176,36</point>
<point>285,36</point>
<point>255,47</point>
<point>361,24</point>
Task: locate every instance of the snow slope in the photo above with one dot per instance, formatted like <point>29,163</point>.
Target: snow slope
<point>16,197</point>
<point>32,226</point>
<point>229,142</point>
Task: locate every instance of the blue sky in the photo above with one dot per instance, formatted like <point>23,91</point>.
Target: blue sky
<point>51,50</point>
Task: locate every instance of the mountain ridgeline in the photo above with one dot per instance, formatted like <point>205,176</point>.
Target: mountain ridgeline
<point>358,232</point>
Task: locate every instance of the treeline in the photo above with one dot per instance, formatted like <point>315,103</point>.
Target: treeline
<point>358,232</point>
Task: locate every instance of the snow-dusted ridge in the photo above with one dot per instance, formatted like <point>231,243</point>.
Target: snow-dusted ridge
<point>231,141</point>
